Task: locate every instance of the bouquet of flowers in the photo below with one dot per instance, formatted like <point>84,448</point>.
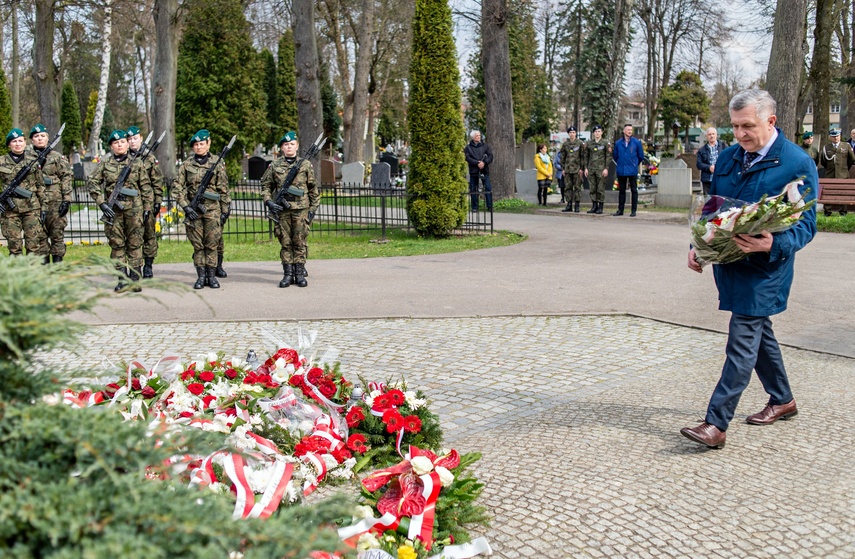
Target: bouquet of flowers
<point>716,220</point>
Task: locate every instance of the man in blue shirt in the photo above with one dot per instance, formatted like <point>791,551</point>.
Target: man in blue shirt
<point>628,155</point>
<point>756,287</point>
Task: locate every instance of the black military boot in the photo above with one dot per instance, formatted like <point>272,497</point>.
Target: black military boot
<point>599,208</point>
<point>212,278</point>
<point>576,207</point>
<point>146,269</point>
<point>220,272</point>
<point>568,207</point>
<point>288,272</point>
<point>134,276</point>
<point>201,279</point>
<point>46,259</point>
<point>56,259</point>
<point>300,275</point>
<point>593,209</point>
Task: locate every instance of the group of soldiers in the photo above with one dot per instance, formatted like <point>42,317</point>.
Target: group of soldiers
<point>579,160</point>
<point>836,157</point>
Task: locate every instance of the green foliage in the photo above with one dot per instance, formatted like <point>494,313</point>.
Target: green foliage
<point>270,86</point>
<point>70,115</point>
<point>684,100</point>
<point>286,75</point>
<point>513,205</point>
<point>522,45</point>
<point>392,123</point>
<point>332,120</point>
<point>835,223</point>
<point>476,112</point>
<point>83,483</point>
<point>593,66</point>
<point>5,110</point>
<point>437,181</point>
<point>90,115</point>
<point>216,88</point>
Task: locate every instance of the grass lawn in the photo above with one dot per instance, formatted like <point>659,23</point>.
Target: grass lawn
<point>323,247</point>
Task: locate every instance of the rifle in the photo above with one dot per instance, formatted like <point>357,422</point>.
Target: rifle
<point>280,200</point>
<point>6,201</point>
<point>120,182</point>
<point>154,146</point>
<point>196,203</point>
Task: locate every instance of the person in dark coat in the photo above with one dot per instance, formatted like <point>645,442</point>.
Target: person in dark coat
<point>707,157</point>
<point>478,157</point>
<point>756,287</point>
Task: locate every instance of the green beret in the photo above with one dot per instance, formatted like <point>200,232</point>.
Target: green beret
<point>807,135</point>
<point>200,136</point>
<point>115,135</point>
<point>38,128</point>
<point>132,131</point>
<point>13,134</point>
<point>289,136</point>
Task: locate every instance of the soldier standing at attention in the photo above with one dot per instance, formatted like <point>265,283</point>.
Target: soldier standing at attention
<point>303,198</point>
<point>132,207</point>
<point>28,216</point>
<point>836,157</point>
<point>57,176</point>
<point>204,231</point>
<point>597,157</point>
<point>155,177</point>
<point>572,153</point>
<point>810,149</point>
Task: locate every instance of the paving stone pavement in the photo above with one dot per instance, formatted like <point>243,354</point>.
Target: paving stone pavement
<point>578,420</point>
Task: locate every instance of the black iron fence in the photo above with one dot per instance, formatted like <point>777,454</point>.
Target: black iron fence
<point>345,209</point>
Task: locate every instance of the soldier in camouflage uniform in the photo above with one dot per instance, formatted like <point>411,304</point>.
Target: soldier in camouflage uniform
<point>152,169</point>
<point>27,218</point>
<point>57,178</point>
<point>597,157</point>
<point>132,208</point>
<point>303,199</point>
<point>205,230</point>
<point>810,149</point>
<point>572,153</point>
<point>836,157</point>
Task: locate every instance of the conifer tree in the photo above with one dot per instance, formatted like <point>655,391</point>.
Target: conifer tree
<point>270,87</point>
<point>5,110</point>
<point>332,120</point>
<point>70,114</point>
<point>437,180</point>
<point>287,85</point>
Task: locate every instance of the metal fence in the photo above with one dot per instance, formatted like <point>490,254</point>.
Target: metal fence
<point>346,209</point>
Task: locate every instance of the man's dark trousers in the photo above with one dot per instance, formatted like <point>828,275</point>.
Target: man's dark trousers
<point>633,186</point>
<point>751,345</point>
<point>473,191</point>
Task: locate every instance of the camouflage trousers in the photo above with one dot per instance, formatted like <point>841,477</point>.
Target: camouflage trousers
<point>55,231</point>
<point>597,184</point>
<point>292,231</point>
<point>126,236</point>
<point>221,246</point>
<point>572,187</point>
<point>16,225</point>
<point>149,248</point>
<point>205,234</point>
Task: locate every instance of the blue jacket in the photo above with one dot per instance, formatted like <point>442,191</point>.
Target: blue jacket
<point>760,284</point>
<point>628,158</point>
<point>705,159</point>
<point>559,171</point>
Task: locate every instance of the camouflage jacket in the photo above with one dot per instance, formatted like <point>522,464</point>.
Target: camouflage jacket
<point>572,155</point>
<point>191,173</point>
<point>101,183</point>
<point>57,177</point>
<point>155,177</point>
<point>304,182</point>
<point>597,156</point>
<point>31,192</point>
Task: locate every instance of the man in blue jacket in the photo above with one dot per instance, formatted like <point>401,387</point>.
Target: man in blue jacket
<point>628,155</point>
<point>758,286</point>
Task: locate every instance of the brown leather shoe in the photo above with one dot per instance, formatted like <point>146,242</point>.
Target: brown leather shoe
<point>771,414</point>
<point>705,433</point>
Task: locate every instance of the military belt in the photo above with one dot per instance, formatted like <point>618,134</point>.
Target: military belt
<point>210,195</point>
<point>129,192</point>
<point>22,192</point>
<point>294,191</point>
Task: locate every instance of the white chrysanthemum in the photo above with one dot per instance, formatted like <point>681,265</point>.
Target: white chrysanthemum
<point>362,511</point>
<point>329,460</point>
<point>446,478</point>
<point>306,426</point>
<point>259,478</point>
<point>414,401</point>
<point>421,465</point>
<point>367,541</point>
<point>240,438</point>
<point>218,487</point>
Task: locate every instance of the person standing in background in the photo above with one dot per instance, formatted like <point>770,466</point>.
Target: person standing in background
<point>707,157</point>
<point>57,194</point>
<point>543,164</point>
<point>628,155</point>
<point>597,157</point>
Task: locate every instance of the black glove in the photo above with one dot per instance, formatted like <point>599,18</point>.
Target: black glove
<point>42,217</point>
<point>274,207</point>
<point>108,211</point>
<point>310,218</point>
<point>63,208</point>
<point>145,215</point>
<point>223,217</point>
<point>190,213</point>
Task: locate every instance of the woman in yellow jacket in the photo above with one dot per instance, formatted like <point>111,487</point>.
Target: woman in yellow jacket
<point>543,164</point>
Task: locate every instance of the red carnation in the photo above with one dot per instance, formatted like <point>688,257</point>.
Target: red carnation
<point>393,420</point>
<point>148,392</point>
<point>135,384</point>
<point>396,397</point>
<point>327,388</point>
<point>196,388</point>
<point>354,416</point>
<point>341,454</point>
<point>189,374</point>
<point>412,424</point>
<point>356,443</point>
<point>206,401</point>
<point>314,374</point>
<point>206,376</point>
<point>230,373</point>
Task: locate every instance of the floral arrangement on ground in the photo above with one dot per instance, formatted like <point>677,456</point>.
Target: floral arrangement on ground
<point>290,425</point>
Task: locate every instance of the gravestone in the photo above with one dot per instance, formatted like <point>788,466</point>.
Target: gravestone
<point>327,171</point>
<point>392,161</point>
<point>675,184</point>
<point>256,166</point>
<point>353,174</point>
<point>79,172</point>
<point>381,176</point>
<point>527,184</point>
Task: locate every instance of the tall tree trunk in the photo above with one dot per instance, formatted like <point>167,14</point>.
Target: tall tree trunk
<point>104,82</point>
<point>820,68</point>
<point>496,61</point>
<point>45,73</point>
<point>142,58</point>
<point>164,79</point>
<point>356,145</point>
<point>785,65</point>
<point>850,105</point>
<point>16,69</point>
<point>620,42</point>
<point>310,116</point>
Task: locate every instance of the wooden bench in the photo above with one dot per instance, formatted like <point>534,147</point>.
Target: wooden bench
<point>836,195</point>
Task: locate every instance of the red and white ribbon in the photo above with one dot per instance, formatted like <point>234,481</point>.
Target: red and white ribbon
<point>421,525</point>
<point>465,550</point>
<point>245,498</point>
<point>386,522</point>
<point>272,496</point>
<point>320,467</point>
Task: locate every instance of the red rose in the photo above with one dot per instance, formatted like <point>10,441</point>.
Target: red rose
<point>315,374</point>
<point>396,397</point>
<point>206,376</point>
<point>354,416</point>
<point>135,384</point>
<point>111,388</point>
<point>196,388</point>
<point>148,392</point>
<point>288,354</point>
<point>206,401</point>
<point>327,388</point>
<point>231,373</point>
<point>412,424</point>
<point>189,374</point>
<point>230,412</point>
<point>296,381</point>
<point>250,378</point>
